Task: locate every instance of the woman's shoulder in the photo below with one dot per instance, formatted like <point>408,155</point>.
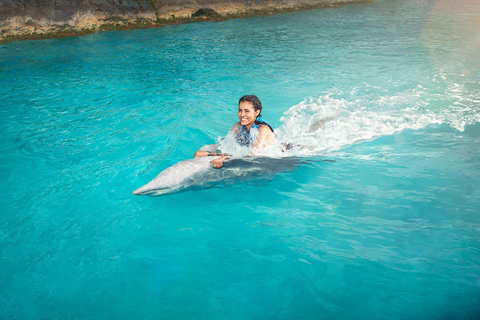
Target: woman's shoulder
<point>264,126</point>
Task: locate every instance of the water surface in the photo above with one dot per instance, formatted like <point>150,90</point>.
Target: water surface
<point>388,228</point>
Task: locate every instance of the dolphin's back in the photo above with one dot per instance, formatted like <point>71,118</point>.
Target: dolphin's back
<point>200,172</point>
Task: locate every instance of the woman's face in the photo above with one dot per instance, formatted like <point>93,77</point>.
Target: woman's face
<point>246,113</point>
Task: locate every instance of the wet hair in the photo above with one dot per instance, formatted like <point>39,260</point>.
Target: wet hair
<point>257,105</point>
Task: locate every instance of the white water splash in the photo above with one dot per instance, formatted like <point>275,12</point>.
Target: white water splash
<point>229,145</point>
<point>363,114</point>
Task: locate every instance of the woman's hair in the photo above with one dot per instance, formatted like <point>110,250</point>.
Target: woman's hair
<point>257,105</point>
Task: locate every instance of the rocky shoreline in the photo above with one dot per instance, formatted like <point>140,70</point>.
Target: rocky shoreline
<point>30,19</point>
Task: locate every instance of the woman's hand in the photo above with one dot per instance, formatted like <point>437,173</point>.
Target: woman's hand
<point>218,163</point>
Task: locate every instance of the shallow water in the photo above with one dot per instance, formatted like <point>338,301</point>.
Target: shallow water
<point>387,228</point>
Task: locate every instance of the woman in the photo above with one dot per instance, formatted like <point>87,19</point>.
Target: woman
<point>249,114</point>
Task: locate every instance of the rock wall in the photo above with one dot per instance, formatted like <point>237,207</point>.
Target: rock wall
<point>33,17</point>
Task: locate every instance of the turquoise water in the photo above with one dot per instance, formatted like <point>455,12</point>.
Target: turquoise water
<point>388,228</point>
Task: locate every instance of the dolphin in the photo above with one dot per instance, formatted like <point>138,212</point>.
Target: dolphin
<point>199,172</point>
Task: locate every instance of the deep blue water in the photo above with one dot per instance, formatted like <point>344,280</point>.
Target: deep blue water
<point>388,228</point>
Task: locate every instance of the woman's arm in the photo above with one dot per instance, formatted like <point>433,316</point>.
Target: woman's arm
<point>200,154</point>
<point>265,138</point>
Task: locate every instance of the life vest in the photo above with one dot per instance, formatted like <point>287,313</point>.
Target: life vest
<point>246,138</point>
